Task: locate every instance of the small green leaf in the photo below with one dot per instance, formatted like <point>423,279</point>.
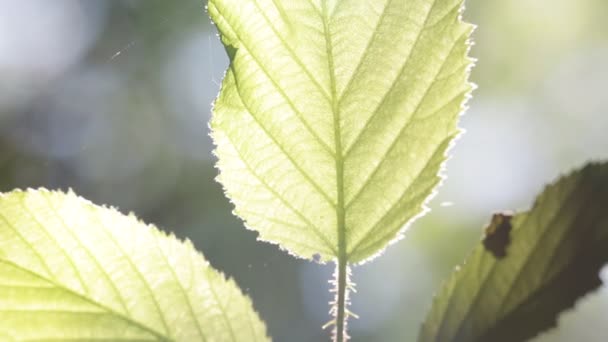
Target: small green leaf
<point>334,117</point>
<point>552,256</point>
<point>70,270</point>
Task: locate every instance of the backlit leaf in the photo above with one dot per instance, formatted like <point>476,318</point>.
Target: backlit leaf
<point>70,270</point>
<point>334,116</point>
<point>538,264</point>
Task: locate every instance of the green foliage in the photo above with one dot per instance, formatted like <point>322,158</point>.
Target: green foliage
<point>530,267</point>
<point>70,270</point>
<point>331,129</point>
<point>334,117</point>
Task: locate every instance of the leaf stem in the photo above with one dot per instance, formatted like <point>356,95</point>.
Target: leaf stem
<point>340,334</point>
<point>339,306</point>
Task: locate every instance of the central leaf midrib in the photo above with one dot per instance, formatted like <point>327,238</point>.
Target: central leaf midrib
<point>340,308</point>
<point>339,158</point>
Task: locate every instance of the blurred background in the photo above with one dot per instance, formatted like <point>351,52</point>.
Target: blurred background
<point>112,99</point>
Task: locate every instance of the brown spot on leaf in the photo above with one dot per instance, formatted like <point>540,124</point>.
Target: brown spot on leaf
<point>497,235</point>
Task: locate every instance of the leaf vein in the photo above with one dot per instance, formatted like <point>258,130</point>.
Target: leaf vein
<point>366,51</point>
<point>91,255</point>
<point>76,294</point>
<point>292,53</point>
<point>315,229</point>
<point>401,132</point>
<point>281,91</point>
<point>280,146</point>
<point>50,273</point>
<point>222,309</point>
<point>83,285</point>
<point>390,88</point>
<point>181,288</point>
<point>387,212</point>
<point>137,272</point>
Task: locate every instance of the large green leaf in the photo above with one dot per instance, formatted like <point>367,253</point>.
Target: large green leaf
<point>530,267</point>
<point>334,116</point>
<point>70,270</point>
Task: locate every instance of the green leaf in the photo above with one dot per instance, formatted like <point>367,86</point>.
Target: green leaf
<point>70,270</point>
<point>552,256</point>
<point>334,117</point>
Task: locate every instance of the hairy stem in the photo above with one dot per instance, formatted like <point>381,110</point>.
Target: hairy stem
<point>341,277</point>
<point>342,286</point>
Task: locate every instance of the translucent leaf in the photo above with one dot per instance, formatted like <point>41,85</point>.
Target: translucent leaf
<point>70,270</point>
<point>334,117</point>
<point>530,267</point>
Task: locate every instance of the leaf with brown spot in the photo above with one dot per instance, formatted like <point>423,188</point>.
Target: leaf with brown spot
<point>555,253</point>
